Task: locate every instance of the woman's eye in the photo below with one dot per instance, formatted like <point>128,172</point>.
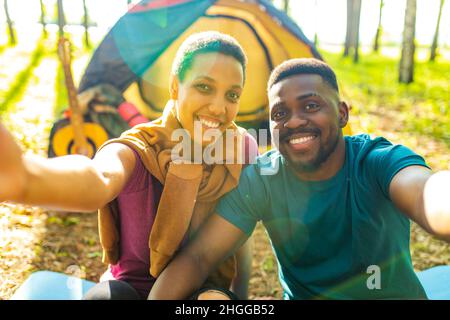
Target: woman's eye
<point>203,87</point>
<point>233,96</point>
<point>311,107</point>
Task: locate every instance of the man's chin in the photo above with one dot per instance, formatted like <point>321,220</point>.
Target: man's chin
<point>303,166</point>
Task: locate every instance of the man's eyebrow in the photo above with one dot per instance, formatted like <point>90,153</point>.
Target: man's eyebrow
<point>277,104</point>
<point>308,95</point>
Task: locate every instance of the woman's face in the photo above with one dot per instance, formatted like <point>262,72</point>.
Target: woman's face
<point>209,94</point>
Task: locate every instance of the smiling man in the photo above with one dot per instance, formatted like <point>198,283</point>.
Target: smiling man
<point>337,209</point>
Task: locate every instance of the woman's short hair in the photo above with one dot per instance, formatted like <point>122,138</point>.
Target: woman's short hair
<point>206,42</point>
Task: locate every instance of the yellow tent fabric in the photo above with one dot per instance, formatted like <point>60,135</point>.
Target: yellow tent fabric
<point>259,34</point>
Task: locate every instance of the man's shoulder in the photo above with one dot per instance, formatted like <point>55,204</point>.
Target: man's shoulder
<point>365,144</point>
<point>370,149</point>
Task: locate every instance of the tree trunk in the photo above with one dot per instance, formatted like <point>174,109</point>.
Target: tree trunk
<point>61,19</point>
<point>436,33</point>
<point>352,35</point>
<point>356,23</point>
<point>406,74</point>
<point>12,36</point>
<point>376,43</point>
<point>286,6</point>
<point>86,25</point>
<point>44,30</point>
<point>348,34</point>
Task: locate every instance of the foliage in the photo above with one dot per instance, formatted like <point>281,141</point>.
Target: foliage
<point>371,86</point>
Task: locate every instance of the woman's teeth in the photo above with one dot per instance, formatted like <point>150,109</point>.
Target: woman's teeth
<point>301,140</point>
<point>210,124</point>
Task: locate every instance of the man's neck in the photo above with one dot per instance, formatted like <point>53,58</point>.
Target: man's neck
<point>329,168</point>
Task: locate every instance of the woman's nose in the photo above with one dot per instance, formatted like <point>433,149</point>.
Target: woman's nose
<point>217,107</point>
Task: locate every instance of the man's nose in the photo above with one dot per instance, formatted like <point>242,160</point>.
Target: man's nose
<point>295,121</point>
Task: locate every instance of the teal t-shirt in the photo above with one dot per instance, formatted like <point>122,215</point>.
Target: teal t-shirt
<point>340,238</point>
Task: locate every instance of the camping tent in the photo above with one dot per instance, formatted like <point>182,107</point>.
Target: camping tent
<point>136,55</point>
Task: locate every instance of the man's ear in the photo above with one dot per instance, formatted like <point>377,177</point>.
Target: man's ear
<point>173,87</point>
<point>343,114</point>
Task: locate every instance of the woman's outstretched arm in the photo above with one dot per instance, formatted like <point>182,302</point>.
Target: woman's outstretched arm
<point>70,183</point>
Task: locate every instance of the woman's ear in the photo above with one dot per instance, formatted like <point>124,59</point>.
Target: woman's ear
<point>173,87</point>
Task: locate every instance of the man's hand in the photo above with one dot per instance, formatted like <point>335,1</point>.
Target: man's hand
<point>437,202</point>
<point>424,198</point>
<point>12,169</point>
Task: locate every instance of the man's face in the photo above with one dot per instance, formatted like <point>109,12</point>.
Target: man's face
<point>309,116</point>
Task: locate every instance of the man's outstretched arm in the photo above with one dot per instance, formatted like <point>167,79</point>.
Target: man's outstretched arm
<point>216,241</point>
<point>424,197</point>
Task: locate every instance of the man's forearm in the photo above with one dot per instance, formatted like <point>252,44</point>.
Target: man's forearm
<point>181,278</point>
<point>243,270</point>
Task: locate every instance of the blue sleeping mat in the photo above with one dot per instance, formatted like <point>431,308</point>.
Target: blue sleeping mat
<point>436,282</point>
<point>48,285</point>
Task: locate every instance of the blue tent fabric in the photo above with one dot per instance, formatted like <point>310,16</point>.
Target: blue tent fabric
<point>137,40</point>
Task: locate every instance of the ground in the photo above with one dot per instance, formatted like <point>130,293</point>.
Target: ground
<point>31,96</point>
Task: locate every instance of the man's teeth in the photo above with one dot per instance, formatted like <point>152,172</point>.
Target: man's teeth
<point>301,140</point>
<point>208,123</point>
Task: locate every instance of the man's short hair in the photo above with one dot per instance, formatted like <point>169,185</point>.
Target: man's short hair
<point>206,42</point>
<point>303,66</point>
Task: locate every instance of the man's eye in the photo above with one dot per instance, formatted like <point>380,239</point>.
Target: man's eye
<point>203,87</point>
<point>278,115</point>
<point>312,107</point>
<point>233,96</point>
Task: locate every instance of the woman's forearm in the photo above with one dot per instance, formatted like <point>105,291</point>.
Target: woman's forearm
<point>70,183</point>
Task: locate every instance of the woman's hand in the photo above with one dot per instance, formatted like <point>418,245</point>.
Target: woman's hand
<point>13,174</point>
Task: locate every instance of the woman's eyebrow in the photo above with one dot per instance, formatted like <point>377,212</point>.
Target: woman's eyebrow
<point>205,77</point>
<point>235,86</point>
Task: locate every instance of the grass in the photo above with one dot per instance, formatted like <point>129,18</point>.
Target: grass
<point>371,85</point>
<point>18,87</point>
